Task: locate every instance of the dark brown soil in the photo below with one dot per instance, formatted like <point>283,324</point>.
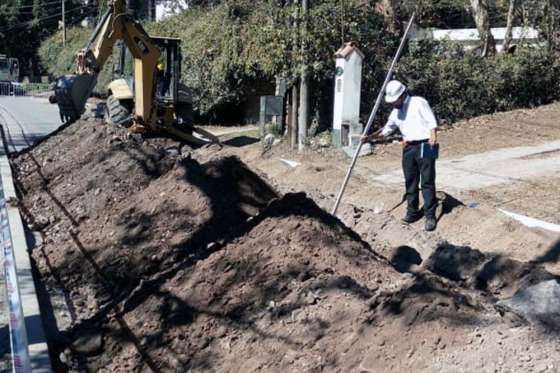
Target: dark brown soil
<point>176,260</point>
<point>162,257</point>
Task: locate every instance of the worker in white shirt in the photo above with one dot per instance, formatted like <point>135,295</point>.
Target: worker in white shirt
<point>414,118</point>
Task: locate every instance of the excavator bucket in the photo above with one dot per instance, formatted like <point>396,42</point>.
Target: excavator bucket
<point>71,93</point>
<point>193,135</point>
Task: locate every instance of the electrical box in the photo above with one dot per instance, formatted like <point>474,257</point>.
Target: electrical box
<point>271,112</point>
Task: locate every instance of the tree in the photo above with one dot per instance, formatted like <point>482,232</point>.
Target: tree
<point>482,20</point>
<point>509,27</point>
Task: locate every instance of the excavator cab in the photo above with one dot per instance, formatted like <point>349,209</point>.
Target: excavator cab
<point>168,71</point>
<point>172,99</point>
<point>167,74</point>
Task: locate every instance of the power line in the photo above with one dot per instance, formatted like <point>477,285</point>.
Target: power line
<point>27,23</point>
<point>36,5</point>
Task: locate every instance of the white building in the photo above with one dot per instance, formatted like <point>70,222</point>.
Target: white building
<point>470,38</point>
<point>167,8</point>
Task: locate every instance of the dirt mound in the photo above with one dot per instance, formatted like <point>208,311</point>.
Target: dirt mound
<point>154,257</point>
<point>164,262</point>
<point>290,282</point>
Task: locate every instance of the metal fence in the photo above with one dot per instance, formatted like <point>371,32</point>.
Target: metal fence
<point>27,89</point>
<point>10,89</point>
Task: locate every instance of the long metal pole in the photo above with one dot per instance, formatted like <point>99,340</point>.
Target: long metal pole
<point>373,113</point>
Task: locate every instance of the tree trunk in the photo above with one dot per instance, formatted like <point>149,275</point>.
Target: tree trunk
<point>294,120</point>
<point>550,23</point>
<point>509,27</point>
<point>481,18</point>
<point>304,84</point>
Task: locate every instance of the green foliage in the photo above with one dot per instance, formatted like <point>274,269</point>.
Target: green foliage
<point>238,42</point>
<point>59,60</point>
<point>465,85</point>
<point>235,46</point>
<point>25,23</point>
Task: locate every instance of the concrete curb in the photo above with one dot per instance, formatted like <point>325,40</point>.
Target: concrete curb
<point>38,349</point>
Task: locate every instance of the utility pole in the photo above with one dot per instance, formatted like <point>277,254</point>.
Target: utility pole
<point>304,83</point>
<point>64,22</point>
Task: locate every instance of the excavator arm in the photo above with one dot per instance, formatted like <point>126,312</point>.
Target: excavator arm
<point>72,91</point>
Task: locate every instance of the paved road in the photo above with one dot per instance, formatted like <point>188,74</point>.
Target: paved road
<point>26,120</point>
<point>497,167</point>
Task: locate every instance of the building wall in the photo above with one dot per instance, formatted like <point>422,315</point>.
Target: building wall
<point>470,38</point>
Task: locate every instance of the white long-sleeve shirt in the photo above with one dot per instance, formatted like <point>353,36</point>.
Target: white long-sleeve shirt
<point>415,120</point>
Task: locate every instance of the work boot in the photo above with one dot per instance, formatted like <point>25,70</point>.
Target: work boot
<point>411,217</point>
<point>430,225</point>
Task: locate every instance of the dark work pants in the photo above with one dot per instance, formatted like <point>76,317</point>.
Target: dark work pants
<point>419,170</point>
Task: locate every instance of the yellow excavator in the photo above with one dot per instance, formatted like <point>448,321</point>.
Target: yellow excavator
<point>152,101</point>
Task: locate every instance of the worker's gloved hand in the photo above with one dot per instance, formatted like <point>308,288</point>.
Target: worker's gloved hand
<point>365,138</point>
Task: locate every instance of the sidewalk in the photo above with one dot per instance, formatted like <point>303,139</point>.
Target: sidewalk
<point>38,349</point>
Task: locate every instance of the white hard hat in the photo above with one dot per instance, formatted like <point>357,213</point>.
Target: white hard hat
<point>393,91</point>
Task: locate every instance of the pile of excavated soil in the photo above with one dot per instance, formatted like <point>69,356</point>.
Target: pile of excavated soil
<point>164,262</point>
<point>154,257</point>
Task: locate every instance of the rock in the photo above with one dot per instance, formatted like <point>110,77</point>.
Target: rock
<point>88,343</point>
<point>115,139</point>
<point>40,223</point>
<point>12,201</point>
<point>539,304</point>
<point>411,352</point>
<point>186,149</point>
<point>269,139</point>
<point>135,137</point>
<point>324,142</point>
<point>172,151</point>
<point>368,365</point>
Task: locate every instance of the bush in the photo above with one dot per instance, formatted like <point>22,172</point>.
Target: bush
<point>228,49</point>
<point>463,85</point>
<point>237,49</point>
